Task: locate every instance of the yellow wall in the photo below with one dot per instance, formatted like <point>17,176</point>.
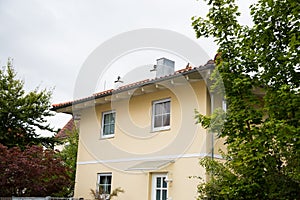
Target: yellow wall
<point>138,185</point>
<point>134,142</point>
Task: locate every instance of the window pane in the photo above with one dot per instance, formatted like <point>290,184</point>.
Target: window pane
<point>166,120</point>
<point>158,121</point>
<point>158,109</point>
<point>167,107</point>
<point>164,183</point>
<point>101,189</point>
<point>103,180</point>
<point>113,115</point>
<point>158,182</point>
<point>106,130</point>
<point>104,189</point>
<point>109,118</point>
<point>112,129</point>
<point>158,195</point>
<point>108,189</point>
<point>106,118</point>
<point>164,195</point>
<point>108,178</point>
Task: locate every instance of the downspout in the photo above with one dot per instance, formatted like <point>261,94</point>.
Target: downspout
<point>212,134</point>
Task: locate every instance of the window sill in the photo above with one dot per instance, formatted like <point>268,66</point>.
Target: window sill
<point>161,129</point>
<point>106,137</point>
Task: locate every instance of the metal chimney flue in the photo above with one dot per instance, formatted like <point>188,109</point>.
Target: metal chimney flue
<point>164,67</point>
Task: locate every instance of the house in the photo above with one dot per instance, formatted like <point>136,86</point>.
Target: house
<point>142,136</point>
<point>63,134</point>
<point>68,127</point>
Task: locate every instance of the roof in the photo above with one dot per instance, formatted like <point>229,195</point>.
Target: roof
<point>63,133</point>
<point>185,71</point>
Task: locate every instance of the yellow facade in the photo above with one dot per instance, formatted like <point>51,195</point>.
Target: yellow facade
<point>134,142</point>
<point>143,137</point>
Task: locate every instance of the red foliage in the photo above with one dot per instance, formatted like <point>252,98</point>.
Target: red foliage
<point>32,172</point>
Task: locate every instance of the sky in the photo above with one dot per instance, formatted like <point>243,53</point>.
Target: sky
<point>49,40</point>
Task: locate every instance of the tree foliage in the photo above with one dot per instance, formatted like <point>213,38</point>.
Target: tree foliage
<point>32,172</point>
<point>259,67</point>
<point>69,155</point>
<point>25,168</point>
<point>21,114</point>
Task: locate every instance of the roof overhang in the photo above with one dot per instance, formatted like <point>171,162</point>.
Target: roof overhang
<point>135,89</point>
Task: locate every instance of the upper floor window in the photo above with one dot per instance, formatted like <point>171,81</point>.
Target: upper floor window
<point>161,114</point>
<point>108,124</point>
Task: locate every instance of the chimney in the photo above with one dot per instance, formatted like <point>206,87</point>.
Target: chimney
<point>164,67</point>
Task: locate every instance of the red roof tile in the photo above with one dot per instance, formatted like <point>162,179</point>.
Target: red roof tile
<point>63,133</point>
<point>132,85</point>
<point>188,68</point>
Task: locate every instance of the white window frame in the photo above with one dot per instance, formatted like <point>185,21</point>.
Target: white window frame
<point>154,187</point>
<point>102,124</point>
<point>153,115</point>
<point>105,196</point>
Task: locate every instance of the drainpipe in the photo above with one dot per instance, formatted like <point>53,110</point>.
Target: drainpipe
<point>212,134</point>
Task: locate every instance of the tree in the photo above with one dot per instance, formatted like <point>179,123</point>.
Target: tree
<point>261,129</point>
<point>32,172</point>
<point>69,155</point>
<point>22,114</point>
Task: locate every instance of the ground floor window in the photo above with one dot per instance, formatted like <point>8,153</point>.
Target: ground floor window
<point>159,187</point>
<point>104,183</point>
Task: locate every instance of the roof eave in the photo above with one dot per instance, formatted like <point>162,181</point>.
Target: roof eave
<point>67,107</point>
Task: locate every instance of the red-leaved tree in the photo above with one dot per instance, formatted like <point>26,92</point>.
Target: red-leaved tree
<point>32,172</point>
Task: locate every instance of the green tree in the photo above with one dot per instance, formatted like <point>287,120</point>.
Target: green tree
<point>21,113</point>
<point>69,156</point>
<point>259,67</point>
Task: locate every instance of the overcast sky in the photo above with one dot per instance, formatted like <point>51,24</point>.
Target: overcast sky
<point>50,39</point>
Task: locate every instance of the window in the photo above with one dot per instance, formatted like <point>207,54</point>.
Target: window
<point>108,124</point>
<point>159,187</point>
<point>161,115</point>
<point>104,185</point>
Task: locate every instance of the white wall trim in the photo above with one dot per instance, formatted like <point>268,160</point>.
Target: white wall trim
<point>194,155</point>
